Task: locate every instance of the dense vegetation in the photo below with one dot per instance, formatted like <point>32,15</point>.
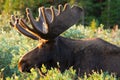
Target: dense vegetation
<point>13,45</point>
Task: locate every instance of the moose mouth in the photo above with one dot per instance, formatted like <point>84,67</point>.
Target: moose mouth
<point>26,70</point>
<point>24,67</point>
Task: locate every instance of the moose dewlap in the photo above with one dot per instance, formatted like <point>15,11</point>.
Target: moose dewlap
<point>84,55</point>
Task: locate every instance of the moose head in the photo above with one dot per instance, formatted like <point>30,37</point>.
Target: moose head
<point>46,29</point>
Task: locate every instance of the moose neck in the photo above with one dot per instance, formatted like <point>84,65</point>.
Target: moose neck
<point>63,54</point>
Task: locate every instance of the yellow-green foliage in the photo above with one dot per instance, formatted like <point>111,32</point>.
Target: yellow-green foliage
<point>55,74</point>
<point>93,24</point>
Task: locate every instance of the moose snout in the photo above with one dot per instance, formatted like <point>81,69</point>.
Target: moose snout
<point>24,66</point>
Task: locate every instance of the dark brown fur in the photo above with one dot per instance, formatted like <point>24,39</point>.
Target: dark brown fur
<point>84,55</point>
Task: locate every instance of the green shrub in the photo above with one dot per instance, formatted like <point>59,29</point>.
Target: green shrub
<point>55,74</point>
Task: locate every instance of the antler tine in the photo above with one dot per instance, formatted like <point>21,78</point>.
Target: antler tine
<point>60,7</point>
<point>25,32</point>
<point>13,17</point>
<point>49,13</point>
<point>13,20</point>
<point>66,7</point>
<point>45,20</point>
<point>35,25</point>
<point>53,13</point>
<point>21,29</point>
<point>23,24</point>
<point>27,28</point>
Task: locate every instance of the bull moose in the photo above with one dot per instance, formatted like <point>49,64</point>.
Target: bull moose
<point>84,55</point>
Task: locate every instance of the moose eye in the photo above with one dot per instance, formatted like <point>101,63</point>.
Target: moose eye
<point>44,46</point>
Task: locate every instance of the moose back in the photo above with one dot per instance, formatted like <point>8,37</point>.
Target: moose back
<point>84,55</point>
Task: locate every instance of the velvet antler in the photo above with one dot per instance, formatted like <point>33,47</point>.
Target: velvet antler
<point>51,22</point>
